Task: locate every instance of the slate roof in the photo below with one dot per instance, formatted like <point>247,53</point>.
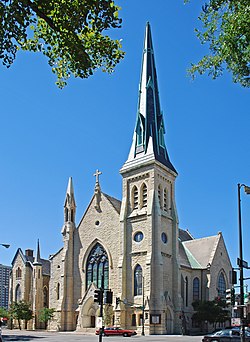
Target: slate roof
<point>115,202</point>
<point>202,250</point>
<point>184,235</point>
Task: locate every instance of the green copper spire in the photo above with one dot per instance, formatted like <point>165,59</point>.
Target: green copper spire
<point>148,142</point>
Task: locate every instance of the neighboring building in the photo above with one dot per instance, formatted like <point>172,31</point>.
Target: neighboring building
<point>4,285</point>
<point>135,244</point>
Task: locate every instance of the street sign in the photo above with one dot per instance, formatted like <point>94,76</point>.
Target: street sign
<point>98,322</point>
<point>235,322</point>
<point>242,263</point>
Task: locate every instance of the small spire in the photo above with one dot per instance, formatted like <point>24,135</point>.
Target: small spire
<point>37,258</point>
<point>70,198</point>
<point>148,141</point>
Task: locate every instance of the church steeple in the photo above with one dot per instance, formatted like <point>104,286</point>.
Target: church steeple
<point>148,141</point>
<point>38,257</point>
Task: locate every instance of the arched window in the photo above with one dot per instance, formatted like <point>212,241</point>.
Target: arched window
<point>135,198</point>
<point>221,286</point>
<point>58,291</point>
<point>160,196</point>
<point>18,294</point>
<point>97,265</point>
<point>138,281</point>
<point>165,199</point>
<point>144,192</point>
<point>196,289</point>
<point>18,273</point>
<point>138,135</point>
<point>182,288</point>
<point>45,297</point>
<point>186,283</point>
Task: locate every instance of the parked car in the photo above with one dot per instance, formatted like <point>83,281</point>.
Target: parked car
<point>226,335</point>
<point>116,331</point>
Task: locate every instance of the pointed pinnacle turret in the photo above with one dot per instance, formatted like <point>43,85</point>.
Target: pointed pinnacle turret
<point>70,198</point>
<point>148,142</point>
<point>38,257</point>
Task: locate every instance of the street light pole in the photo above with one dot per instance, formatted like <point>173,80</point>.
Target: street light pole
<point>143,308</point>
<point>247,191</point>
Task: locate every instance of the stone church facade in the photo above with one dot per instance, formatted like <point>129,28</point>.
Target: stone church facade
<point>154,268</point>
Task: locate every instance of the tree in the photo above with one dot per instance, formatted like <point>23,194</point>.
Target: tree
<point>69,33</point>
<point>4,312</point>
<point>45,315</point>
<point>226,28</point>
<point>108,315</point>
<point>21,311</point>
<point>214,311</point>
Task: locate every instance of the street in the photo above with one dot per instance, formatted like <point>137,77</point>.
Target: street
<point>44,336</point>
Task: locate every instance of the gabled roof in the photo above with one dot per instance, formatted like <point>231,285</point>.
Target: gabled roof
<point>202,250</point>
<point>115,202</point>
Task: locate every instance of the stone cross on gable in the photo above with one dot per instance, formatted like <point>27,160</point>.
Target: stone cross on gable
<point>97,174</point>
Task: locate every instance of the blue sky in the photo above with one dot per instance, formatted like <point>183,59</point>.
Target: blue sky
<point>48,134</point>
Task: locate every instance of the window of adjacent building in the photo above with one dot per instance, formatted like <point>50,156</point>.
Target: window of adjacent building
<point>18,273</point>
<point>186,283</point>
<point>97,265</point>
<point>58,291</point>
<point>45,297</point>
<point>18,293</point>
<point>144,191</point>
<point>138,237</point>
<point>165,199</point>
<point>135,198</point>
<point>221,286</point>
<point>196,289</point>
<point>138,281</point>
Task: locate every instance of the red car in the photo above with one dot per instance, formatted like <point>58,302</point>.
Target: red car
<point>116,331</point>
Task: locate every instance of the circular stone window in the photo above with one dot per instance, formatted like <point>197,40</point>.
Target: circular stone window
<point>164,238</point>
<point>138,237</point>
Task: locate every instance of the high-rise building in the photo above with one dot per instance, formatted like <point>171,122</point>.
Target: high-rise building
<point>4,285</point>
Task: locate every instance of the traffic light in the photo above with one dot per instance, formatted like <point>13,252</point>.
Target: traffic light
<point>108,297</point>
<point>98,296</point>
<point>230,296</point>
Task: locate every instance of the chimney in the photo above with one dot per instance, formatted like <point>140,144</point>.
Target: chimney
<point>29,252</point>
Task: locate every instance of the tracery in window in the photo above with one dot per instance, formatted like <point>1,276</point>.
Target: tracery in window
<point>138,280</point>
<point>97,265</point>
<point>196,289</point>
<point>144,191</point>
<point>221,286</point>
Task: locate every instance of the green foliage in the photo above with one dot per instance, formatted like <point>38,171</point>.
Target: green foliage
<point>4,312</point>
<point>70,33</point>
<point>21,311</point>
<point>108,315</point>
<point>226,28</point>
<point>46,314</point>
<point>212,311</point>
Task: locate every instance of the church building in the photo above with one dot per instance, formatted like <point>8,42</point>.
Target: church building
<point>133,246</point>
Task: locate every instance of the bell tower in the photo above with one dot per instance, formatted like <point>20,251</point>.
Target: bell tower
<point>149,221</point>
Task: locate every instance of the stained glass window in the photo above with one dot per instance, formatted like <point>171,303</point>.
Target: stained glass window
<point>138,281</point>
<point>97,265</point>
